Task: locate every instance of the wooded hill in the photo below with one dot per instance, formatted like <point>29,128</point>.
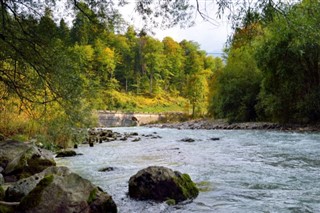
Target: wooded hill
<point>53,74</point>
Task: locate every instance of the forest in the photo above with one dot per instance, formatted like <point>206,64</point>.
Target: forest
<point>53,75</point>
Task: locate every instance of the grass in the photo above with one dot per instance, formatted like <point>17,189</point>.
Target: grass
<point>160,103</point>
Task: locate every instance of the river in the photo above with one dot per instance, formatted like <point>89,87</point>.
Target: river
<point>245,171</point>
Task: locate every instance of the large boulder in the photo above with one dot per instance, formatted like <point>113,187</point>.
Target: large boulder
<point>63,191</point>
<point>23,187</point>
<point>9,149</point>
<point>161,184</point>
<point>29,162</point>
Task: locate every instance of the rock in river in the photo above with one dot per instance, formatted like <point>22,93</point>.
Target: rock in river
<point>160,184</point>
<point>66,153</point>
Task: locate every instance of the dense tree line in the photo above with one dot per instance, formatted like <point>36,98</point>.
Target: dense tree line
<point>59,74</point>
<point>272,71</point>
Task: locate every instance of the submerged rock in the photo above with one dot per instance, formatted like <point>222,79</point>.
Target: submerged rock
<point>106,169</point>
<point>188,140</point>
<point>160,184</point>
<point>136,140</point>
<point>214,139</point>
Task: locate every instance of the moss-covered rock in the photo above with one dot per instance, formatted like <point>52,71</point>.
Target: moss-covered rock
<point>33,199</point>
<point>162,184</point>
<point>187,186</point>
<point>68,192</point>
<point>24,186</point>
<point>10,149</point>
<point>31,161</point>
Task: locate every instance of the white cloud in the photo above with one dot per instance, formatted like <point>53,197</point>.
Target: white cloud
<point>210,37</point>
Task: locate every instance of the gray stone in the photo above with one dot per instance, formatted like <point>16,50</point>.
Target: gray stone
<point>24,186</point>
<point>9,149</point>
<point>66,192</point>
<point>31,161</point>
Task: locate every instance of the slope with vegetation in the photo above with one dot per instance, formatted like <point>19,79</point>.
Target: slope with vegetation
<point>54,76</point>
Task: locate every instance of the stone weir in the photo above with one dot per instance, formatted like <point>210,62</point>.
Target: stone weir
<point>117,119</point>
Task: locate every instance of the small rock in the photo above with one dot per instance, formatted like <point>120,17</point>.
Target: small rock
<point>188,140</point>
<point>214,139</point>
<point>136,139</point>
<point>66,153</point>
<point>106,169</point>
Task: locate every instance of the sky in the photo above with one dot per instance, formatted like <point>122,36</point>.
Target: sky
<point>211,37</point>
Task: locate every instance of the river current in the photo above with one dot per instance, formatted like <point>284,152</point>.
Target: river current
<point>244,171</point>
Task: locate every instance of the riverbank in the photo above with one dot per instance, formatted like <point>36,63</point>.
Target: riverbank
<point>211,124</point>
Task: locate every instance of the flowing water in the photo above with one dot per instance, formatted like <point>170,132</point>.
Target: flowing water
<point>244,171</point>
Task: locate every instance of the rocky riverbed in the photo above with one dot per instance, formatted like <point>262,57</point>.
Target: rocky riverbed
<point>210,124</point>
<point>30,181</point>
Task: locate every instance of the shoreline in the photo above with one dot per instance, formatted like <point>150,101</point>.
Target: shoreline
<point>210,124</point>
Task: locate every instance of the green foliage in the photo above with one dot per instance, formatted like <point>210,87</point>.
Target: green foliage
<point>115,100</point>
<point>53,77</point>
<point>236,88</point>
<point>289,59</point>
<point>272,72</point>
